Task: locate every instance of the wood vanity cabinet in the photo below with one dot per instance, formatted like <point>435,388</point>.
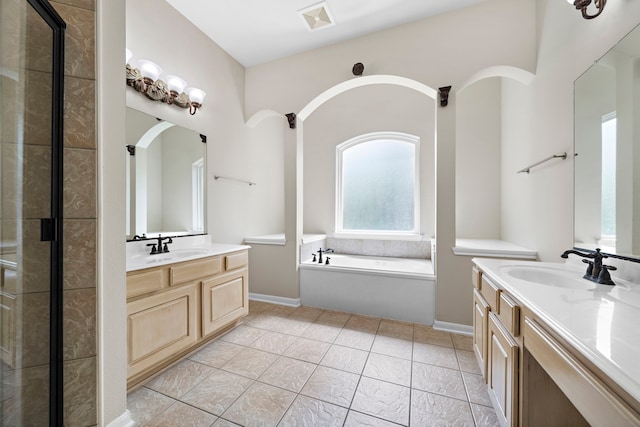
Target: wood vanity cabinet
<point>173,309</point>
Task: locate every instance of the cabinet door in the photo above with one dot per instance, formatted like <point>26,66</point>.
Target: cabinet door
<point>502,371</point>
<point>480,316</point>
<point>224,300</point>
<point>160,326</point>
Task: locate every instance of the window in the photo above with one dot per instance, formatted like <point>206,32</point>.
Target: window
<point>608,205</point>
<point>197,199</point>
<point>377,184</point>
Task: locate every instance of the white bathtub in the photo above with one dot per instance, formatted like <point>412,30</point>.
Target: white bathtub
<point>393,288</point>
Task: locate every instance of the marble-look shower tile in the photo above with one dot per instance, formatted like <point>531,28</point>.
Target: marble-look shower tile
<point>305,411</point>
<point>37,107</point>
<point>260,405</point>
<point>395,329</point>
<point>462,342</point>
<point>428,335</point>
<point>79,253</point>
<point>345,358</point>
<point>383,400</point>
<point>38,39</point>
<point>217,392</point>
<point>250,363</point>
<point>428,409</point>
<point>35,259</point>
<point>392,347</point>
<point>476,389</point>
<point>435,379</point>
<point>435,355</point>
<point>36,181</point>
<point>307,350</point>
<point>331,385</point>
<point>358,419</point>
<point>85,4</point>
<point>79,323</point>
<point>468,362</point>
<point>289,374</point>
<point>80,40</point>
<point>388,368</point>
<point>273,342</point>
<point>25,396</point>
<point>79,183</point>
<point>32,328</point>
<point>182,415</point>
<point>144,404</point>
<point>355,339</point>
<point>216,353</point>
<point>180,378</point>
<point>79,113</point>
<point>80,392</point>
<point>484,416</point>
<point>243,335</point>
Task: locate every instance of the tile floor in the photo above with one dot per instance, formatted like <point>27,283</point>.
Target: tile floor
<point>310,367</point>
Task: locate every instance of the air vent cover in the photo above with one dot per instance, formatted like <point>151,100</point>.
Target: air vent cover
<point>317,16</point>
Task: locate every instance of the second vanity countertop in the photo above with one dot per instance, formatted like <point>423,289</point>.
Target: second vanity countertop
<point>600,321</point>
<point>138,256</point>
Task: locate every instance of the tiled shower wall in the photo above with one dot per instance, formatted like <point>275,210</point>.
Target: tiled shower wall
<point>80,227</point>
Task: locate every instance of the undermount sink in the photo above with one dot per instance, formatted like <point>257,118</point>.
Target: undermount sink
<point>174,254</point>
<point>548,276</point>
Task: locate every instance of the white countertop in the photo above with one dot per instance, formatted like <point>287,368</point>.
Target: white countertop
<point>139,258</point>
<point>602,322</point>
<point>492,248</point>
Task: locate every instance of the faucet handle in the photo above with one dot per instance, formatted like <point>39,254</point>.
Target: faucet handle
<point>153,248</point>
<point>604,277</point>
<point>589,268</point>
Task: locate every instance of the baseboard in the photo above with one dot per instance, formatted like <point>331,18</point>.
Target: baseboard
<point>123,420</point>
<point>291,302</point>
<point>456,328</point>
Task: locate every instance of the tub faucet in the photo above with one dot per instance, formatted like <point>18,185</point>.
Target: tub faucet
<point>596,271</point>
<point>321,251</point>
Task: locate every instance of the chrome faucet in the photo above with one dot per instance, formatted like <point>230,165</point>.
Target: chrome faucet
<point>596,270</point>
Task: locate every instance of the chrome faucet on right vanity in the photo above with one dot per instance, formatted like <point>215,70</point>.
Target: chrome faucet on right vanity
<point>596,270</point>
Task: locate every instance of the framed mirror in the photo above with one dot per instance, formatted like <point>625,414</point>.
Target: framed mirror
<point>166,178</point>
<point>607,147</point>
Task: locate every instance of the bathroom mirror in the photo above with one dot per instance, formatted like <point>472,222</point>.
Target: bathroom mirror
<point>607,147</point>
<point>166,171</point>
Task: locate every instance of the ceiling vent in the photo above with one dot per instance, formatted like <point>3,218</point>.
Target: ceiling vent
<point>317,16</point>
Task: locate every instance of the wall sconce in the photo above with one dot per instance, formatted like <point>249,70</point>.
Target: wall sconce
<point>582,5</point>
<point>146,80</point>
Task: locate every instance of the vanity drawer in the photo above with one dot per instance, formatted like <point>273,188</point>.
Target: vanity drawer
<point>490,292</point>
<point>509,314</point>
<point>476,277</point>
<point>192,270</point>
<point>237,260</point>
<point>143,283</point>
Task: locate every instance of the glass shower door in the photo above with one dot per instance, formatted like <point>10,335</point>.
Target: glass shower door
<point>30,214</point>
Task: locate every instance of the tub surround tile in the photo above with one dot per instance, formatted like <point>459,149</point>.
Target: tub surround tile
<point>260,405</point>
<point>79,253</point>
<point>216,353</point>
<point>182,415</point>
<point>181,378</point>
<point>250,363</point>
<point>388,368</point>
<point>144,404</point>
<point>79,323</point>
<point>435,355</point>
<point>383,400</point>
<point>345,358</point>
<point>428,409</point>
<point>217,392</point>
<point>331,385</point>
<point>307,350</point>
<point>435,379</point>
<point>289,374</point>
<point>305,411</point>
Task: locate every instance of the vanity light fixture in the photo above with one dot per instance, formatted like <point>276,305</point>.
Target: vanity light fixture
<point>146,80</point>
<point>582,6</point>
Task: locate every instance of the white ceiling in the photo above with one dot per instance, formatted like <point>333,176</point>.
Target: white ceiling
<point>258,31</point>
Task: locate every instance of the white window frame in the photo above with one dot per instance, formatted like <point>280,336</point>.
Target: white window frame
<point>378,234</point>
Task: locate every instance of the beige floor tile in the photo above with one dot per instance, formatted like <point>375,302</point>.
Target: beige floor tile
<point>225,423</point>
<point>256,307</point>
<point>392,347</point>
<point>476,389</point>
<point>428,335</point>
<point>331,385</point>
<point>308,350</point>
<point>468,362</point>
<point>250,363</point>
<point>263,320</point>
<point>144,404</point>
<point>357,419</point>
<point>289,326</point>
<point>428,409</point>
<point>273,342</point>
<point>356,339</point>
<point>218,392</point>
<point>280,310</point>
<point>181,378</point>
<point>216,353</point>
<point>435,355</point>
<point>260,405</point>
<point>383,400</point>
<point>311,412</point>
<point>290,374</point>
<point>307,314</point>
<point>320,332</point>
<point>395,329</point>
<point>345,358</point>
<point>182,415</point>
<point>333,318</point>
<point>436,379</point>
<point>243,335</point>
<point>462,342</point>
<point>363,323</point>
<point>484,416</point>
<point>388,368</point>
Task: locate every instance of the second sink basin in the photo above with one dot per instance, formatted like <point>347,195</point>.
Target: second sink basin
<point>548,276</point>
<point>175,254</point>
